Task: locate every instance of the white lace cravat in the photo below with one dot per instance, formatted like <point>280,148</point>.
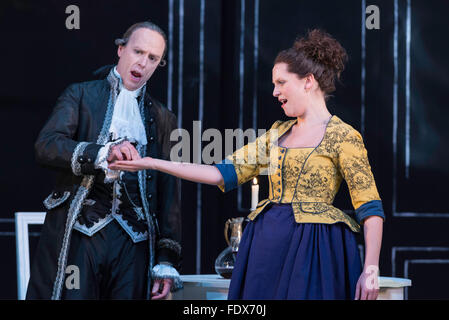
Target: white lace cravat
<point>126,119</point>
<point>126,122</point>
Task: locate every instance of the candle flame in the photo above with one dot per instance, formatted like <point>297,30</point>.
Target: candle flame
<point>255,181</point>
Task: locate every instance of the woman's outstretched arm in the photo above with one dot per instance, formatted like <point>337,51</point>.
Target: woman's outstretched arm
<point>368,286</point>
<point>188,171</point>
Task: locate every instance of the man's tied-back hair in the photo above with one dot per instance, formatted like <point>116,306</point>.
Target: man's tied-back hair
<point>148,25</point>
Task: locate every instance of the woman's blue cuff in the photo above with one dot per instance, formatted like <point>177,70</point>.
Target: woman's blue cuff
<point>227,170</point>
<point>371,208</point>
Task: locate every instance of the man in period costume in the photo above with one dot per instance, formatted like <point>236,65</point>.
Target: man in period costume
<point>120,231</point>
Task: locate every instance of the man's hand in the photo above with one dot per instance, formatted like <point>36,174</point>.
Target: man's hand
<point>123,151</point>
<point>157,288</point>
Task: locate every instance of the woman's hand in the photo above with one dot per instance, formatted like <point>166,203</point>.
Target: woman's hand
<point>368,285</point>
<point>132,165</point>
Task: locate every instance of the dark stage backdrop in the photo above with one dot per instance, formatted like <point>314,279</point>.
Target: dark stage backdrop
<point>219,72</point>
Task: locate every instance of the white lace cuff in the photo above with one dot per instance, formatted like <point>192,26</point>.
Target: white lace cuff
<point>165,271</point>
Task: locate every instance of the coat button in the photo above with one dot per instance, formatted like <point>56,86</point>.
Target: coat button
<point>149,177</point>
<point>150,196</point>
<point>151,120</point>
<point>150,103</point>
<point>56,194</point>
<point>151,139</point>
<point>81,159</point>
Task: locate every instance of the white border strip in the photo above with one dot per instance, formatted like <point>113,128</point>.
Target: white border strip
<point>23,219</point>
<point>241,89</point>
<point>407,90</point>
<point>408,110</point>
<point>420,261</point>
<point>170,55</point>
<point>423,249</point>
<point>180,61</point>
<point>200,117</point>
<point>363,70</point>
<point>395,104</point>
<point>256,61</point>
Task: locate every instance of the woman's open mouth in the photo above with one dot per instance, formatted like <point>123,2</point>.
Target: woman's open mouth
<point>283,101</point>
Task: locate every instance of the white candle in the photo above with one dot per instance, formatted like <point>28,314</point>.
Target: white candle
<point>254,194</point>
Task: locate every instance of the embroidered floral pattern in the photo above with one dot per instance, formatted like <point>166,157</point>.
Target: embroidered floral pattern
<point>291,169</point>
<point>310,178</point>
<point>316,182</point>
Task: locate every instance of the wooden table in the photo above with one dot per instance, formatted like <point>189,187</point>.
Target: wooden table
<point>214,287</point>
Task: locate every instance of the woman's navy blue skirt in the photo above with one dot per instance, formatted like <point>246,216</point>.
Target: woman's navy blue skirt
<point>279,258</point>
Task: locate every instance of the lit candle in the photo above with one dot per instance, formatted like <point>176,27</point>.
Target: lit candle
<point>254,194</point>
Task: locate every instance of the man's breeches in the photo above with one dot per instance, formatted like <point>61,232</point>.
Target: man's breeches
<point>110,266</point>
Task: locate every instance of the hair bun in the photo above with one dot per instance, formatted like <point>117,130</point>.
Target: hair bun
<point>319,54</point>
<point>322,48</point>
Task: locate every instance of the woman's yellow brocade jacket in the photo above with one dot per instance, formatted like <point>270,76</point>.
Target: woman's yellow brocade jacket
<point>309,178</point>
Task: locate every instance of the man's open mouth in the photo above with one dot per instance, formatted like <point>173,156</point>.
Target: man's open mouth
<point>136,74</point>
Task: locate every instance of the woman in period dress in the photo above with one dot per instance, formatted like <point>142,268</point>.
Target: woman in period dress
<point>297,245</point>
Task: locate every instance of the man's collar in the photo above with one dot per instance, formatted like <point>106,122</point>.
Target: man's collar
<point>116,82</point>
<point>136,92</point>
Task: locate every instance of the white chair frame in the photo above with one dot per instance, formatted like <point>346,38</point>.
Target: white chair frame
<point>23,219</point>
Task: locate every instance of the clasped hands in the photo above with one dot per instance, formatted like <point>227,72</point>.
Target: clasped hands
<point>123,151</point>
<point>124,156</point>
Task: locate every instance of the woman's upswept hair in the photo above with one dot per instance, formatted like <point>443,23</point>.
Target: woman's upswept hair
<point>319,54</point>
